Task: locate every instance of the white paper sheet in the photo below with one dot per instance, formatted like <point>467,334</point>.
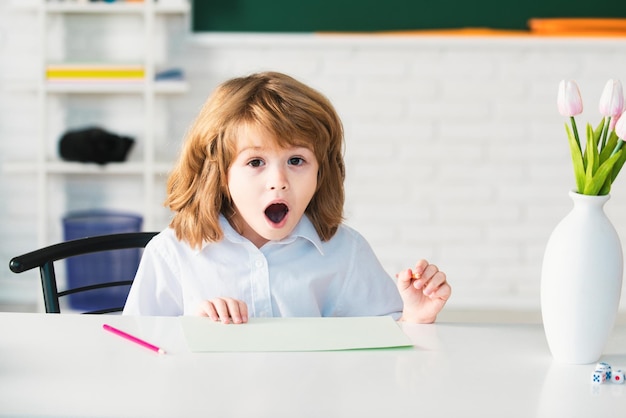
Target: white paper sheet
<point>293,334</point>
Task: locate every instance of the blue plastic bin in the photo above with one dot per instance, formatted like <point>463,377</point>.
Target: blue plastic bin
<point>94,268</point>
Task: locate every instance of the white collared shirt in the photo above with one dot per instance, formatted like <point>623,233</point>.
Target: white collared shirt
<point>299,276</point>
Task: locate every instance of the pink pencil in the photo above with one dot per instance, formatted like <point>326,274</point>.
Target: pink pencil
<point>133,339</point>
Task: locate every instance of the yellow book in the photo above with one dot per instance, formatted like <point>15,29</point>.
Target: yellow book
<point>103,73</point>
<point>89,70</point>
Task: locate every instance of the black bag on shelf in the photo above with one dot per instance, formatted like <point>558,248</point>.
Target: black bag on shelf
<point>94,145</point>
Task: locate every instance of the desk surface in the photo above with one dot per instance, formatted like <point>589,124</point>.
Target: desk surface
<point>453,370</point>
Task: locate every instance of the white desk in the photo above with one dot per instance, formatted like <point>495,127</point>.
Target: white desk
<point>67,365</point>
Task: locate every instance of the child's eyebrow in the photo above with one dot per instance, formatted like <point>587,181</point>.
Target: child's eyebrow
<point>250,149</point>
<point>257,148</point>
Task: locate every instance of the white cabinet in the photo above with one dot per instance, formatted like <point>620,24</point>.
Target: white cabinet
<point>142,33</point>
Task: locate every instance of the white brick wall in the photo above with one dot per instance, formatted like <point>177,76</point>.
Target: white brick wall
<point>455,149</point>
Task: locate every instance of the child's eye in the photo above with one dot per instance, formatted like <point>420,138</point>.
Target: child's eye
<point>255,162</point>
<point>296,161</point>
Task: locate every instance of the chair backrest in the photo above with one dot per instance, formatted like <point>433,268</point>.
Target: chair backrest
<point>44,258</point>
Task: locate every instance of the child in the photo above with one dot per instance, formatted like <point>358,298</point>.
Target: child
<point>257,196</point>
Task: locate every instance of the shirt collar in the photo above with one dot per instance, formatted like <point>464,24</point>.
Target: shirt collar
<point>304,229</point>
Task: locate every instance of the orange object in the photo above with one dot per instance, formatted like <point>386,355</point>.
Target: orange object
<point>582,26</point>
<point>538,27</point>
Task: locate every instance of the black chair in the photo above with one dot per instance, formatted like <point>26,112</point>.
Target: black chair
<point>44,258</point>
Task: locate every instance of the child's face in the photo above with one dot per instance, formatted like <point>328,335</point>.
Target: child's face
<point>270,186</point>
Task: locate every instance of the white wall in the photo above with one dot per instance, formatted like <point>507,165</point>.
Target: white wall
<point>455,149</point>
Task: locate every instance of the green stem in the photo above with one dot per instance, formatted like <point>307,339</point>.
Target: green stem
<point>605,132</point>
<point>575,132</point>
<point>617,147</point>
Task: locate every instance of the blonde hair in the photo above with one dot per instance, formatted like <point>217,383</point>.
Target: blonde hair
<point>295,114</point>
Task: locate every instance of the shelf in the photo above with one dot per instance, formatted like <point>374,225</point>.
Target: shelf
<point>171,7</point>
<point>144,171</point>
<point>99,7</point>
<point>94,87</point>
<point>160,87</point>
<point>65,167</point>
<point>113,87</point>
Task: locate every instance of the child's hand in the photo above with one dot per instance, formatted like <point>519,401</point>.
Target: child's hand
<point>424,292</point>
<point>225,310</point>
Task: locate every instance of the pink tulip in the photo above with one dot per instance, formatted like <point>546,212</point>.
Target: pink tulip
<point>620,126</point>
<point>613,123</point>
<point>569,101</point>
<point>612,99</point>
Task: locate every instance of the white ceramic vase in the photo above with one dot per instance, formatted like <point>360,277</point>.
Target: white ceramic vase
<point>581,281</point>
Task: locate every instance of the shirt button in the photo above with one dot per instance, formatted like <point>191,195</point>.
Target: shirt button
<point>259,263</point>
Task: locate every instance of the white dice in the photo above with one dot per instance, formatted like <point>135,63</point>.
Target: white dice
<point>603,372</point>
<point>617,377</point>
<point>598,377</point>
<point>606,368</point>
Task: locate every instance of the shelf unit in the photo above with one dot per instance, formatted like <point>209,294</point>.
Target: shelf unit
<point>57,100</point>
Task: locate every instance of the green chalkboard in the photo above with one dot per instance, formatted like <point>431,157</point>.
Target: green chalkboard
<point>387,15</point>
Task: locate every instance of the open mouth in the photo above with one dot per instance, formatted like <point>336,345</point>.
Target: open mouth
<point>276,212</point>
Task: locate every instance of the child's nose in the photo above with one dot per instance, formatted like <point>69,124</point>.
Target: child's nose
<point>277,180</point>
